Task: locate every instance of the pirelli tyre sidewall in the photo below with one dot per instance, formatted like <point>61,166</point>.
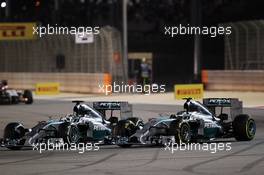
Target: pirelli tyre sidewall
<point>125,128</point>
<point>244,127</point>
<point>184,133</point>
<point>73,135</point>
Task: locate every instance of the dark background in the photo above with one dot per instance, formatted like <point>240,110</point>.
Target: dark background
<point>173,57</point>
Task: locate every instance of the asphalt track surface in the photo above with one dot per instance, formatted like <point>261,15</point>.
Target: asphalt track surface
<point>243,158</point>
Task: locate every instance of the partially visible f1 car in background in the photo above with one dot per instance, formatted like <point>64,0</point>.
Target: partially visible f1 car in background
<point>197,123</point>
<point>11,96</point>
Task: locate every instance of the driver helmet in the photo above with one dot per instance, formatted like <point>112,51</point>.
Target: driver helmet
<point>3,84</point>
<point>193,107</point>
<point>190,106</point>
<point>81,109</point>
<point>76,109</point>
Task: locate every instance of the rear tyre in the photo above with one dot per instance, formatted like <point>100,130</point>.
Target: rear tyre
<point>14,132</point>
<point>125,129</point>
<point>28,95</point>
<point>244,128</point>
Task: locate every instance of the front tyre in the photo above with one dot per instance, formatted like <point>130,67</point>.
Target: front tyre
<point>184,133</point>
<point>13,134</point>
<point>244,128</point>
<point>73,136</point>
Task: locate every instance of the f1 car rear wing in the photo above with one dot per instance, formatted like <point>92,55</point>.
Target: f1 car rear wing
<point>124,107</point>
<point>107,105</point>
<point>217,102</point>
<point>236,106</point>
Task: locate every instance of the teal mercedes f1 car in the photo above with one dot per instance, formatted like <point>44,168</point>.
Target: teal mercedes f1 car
<point>93,123</point>
<point>199,122</point>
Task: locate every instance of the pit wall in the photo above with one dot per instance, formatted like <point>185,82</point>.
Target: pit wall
<point>69,82</point>
<point>233,80</point>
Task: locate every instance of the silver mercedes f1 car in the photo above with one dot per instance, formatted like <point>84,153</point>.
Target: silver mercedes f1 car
<point>12,96</point>
<point>87,123</point>
<point>199,122</point>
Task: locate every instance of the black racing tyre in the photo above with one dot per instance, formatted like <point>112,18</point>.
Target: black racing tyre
<point>28,94</point>
<point>124,145</point>
<point>124,129</point>
<point>63,132</point>
<point>14,131</point>
<point>15,99</point>
<point>184,133</point>
<point>244,128</point>
<point>6,98</point>
<point>73,135</point>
